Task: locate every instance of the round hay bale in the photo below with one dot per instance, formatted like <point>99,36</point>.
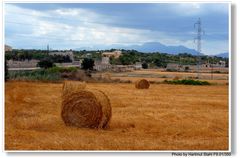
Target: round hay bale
<point>106,76</point>
<point>176,78</point>
<point>106,107</point>
<point>142,84</point>
<point>86,108</point>
<point>72,86</point>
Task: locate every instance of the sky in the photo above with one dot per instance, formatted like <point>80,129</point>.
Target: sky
<point>100,25</point>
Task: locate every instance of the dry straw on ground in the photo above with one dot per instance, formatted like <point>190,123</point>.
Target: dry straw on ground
<point>142,84</point>
<point>85,107</point>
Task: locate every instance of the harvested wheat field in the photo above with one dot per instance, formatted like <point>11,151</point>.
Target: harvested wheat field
<point>163,117</point>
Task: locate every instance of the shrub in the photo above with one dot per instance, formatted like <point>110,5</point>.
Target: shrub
<point>6,71</point>
<point>186,82</point>
<point>87,64</point>
<point>145,65</point>
<point>186,68</point>
<point>62,69</point>
<point>35,75</point>
<point>45,63</point>
<point>217,72</point>
<point>171,70</point>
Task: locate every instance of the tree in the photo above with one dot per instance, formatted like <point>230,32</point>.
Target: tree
<point>145,65</point>
<point>87,64</point>
<point>45,63</point>
<point>227,63</point>
<point>186,68</point>
<point>159,62</point>
<point>6,71</point>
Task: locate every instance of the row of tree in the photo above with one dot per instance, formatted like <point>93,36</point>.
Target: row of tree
<point>162,59</point>
<point>21,55</point>
<point>155,59</point>
<point>128,57</point>
<point>87,63</point>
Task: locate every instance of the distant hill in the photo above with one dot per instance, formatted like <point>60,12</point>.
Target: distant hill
<point>158,47</point>
<point>149,47</point>
<point>223,55</point>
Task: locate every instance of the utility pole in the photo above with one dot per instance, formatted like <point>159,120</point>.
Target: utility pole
<point>47,49</point>
<point>211,71</point>
<point>200,32</point>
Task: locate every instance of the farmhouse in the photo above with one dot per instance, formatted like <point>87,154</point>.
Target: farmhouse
<point>138,65</point>
<point>102,64</point>
<point>22,64</point>
<point>115,54</point>
<point>123,68</point>
<point>221,64</point>
<point>172,67</point>
<point>8,48</point>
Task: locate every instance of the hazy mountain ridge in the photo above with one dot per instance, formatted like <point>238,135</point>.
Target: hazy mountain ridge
<point>150,47</point>
<point>223,55</point>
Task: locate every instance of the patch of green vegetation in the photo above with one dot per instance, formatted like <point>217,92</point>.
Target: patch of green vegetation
<point>34,75</point>
<point>51,74</point>
<point>62,69</point>
<point>217,72</point>
<point>186,82</point>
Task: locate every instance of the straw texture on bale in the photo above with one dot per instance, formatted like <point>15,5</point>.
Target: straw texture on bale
<point>88,108</point>
<point>72,86</point>
<point>142,84</point>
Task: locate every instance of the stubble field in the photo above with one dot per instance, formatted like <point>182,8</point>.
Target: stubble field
<point>164,117</point>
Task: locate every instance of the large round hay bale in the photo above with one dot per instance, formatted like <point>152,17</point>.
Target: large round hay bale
<point>86,108</point>
<point>72,86</point>
<point>142,84</point>
<point>106,107</point>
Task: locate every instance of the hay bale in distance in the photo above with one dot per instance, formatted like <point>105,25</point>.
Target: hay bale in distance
<point>88,108</point>
<point>106,76</point>
<point>176,78</point>
<point>142,84</point>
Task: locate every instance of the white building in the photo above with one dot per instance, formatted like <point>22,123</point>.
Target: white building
<point>105,60</point>
<point>115,54</point>
<point>103,64</point>
<point>138,65</point>
<point>173,67</point>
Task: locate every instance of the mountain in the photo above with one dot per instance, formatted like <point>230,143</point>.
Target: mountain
<point>150,47</point>
<point>223,55</point>
<point>158,47</point>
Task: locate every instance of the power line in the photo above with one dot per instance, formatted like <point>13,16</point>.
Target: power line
<point>200,31</point>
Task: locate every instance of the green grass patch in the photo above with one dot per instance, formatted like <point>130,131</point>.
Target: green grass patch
<point>34,75</point>
<point>52,74</point>
<point>61,69</point>
<point>186,82</point>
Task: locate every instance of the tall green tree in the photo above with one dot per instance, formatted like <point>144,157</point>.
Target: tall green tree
<point>87,64</point>
<point>145,65</point>
<point>45,63</point>
<point>6,71</point>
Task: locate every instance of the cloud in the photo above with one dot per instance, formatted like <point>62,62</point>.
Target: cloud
<point>92,25</point>
<point>199,9</point>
